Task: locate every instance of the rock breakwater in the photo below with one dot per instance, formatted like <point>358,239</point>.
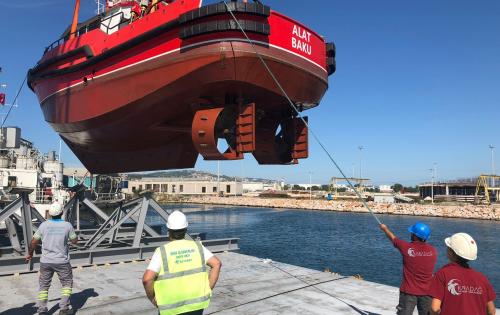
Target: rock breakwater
<point>466,211</point>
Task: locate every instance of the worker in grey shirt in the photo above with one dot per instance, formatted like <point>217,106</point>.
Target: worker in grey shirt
<point>54,235</point>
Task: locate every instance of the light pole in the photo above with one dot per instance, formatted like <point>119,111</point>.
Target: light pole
<point>100,6</point>
<point>218,178</point>
<point>242,170</point>
<point>360,156</point>
<point>310,185</point>
<point>434,166</point>
<point>434,177</point>
<point>432,182</point>
<point>492,148</point>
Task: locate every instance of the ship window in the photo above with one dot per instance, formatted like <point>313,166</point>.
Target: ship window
<point>12,181</point>
<point>173,189</point>
<point>140,187</point>
<point>181,188</point>
<point>156,187</point>
<point>214,189</point>
<point>164,187</point>
<point>148,186</point>
<point>228,189</point>
<point>203,190</point>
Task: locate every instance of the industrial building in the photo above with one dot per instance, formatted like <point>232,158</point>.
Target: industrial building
<point>459,190</point>
<point>261,186</point>
<point>385,189</point>
<point>179,186</point>
<point>391,198</point>
<point>384,198</point>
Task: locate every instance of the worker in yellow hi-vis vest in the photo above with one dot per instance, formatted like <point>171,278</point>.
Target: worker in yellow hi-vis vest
<point>176,280</point>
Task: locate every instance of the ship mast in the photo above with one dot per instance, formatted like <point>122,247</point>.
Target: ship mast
<point>74,24</point>
<point>100,6</point>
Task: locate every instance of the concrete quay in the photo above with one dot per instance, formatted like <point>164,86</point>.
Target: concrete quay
<point>465,211</point>
<point>247,285</point>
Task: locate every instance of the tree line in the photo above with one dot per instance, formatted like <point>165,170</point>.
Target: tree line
<point>397,187</point>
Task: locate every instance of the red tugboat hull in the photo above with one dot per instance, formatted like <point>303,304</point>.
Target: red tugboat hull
<point>133,109</point>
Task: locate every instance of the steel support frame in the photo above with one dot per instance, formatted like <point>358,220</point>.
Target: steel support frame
<point>8,214</point>
<point>13,235</point>
<point>119,209</point>
<point>140,223</point>
<point>482,182</point>
<point>125,243</point>
<point>11,264</point>
<point>111,227</point>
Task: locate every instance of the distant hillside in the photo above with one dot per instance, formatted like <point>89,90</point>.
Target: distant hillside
<point>193,174</point>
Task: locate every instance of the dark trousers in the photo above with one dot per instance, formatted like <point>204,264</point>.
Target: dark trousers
<point>407,303</point>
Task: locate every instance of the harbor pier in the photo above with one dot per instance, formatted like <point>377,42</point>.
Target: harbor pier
<point>247,285</point>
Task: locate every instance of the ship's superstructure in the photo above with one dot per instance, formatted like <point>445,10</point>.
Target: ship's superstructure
<point>24,166</point>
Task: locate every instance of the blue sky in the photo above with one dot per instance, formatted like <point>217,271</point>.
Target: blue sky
<point>417,83</point>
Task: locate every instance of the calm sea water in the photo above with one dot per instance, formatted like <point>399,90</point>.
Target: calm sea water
<point>346,243</point>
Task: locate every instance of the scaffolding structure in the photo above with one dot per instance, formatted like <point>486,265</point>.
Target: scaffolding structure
<point>487,188</point>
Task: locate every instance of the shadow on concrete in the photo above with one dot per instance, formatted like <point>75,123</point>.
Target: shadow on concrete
<point>361,312</point>
<point>78,300</point>
<point>27,309</point>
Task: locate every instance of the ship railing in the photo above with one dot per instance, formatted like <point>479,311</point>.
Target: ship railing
<point>42,197</point>
<point>110,18</point>
<point>80,31</point>
<point>85,29</point>
<point>92,26</point>
<point>109,196</point>
<point>6,196</point>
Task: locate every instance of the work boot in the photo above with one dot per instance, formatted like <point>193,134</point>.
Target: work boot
<point>43,311</point>
<point>66,312</point>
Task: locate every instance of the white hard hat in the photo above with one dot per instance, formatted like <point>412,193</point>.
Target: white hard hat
<point>177,221</point>
<point>463,245</point>
<point>55,209</point>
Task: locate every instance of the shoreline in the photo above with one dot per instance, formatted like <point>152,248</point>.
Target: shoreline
<point>466,211</point>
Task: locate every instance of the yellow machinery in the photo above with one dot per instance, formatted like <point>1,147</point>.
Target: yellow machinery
<point>487,185</point>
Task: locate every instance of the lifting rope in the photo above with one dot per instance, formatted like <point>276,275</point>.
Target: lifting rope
<point>307,285</point>
<point>361,312</point>
<point>14,102</point>
<point>300,116</point>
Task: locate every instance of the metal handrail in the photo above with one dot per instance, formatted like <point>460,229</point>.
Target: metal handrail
<point>82,30</point>
<point>41,197</point>
<point>85,29</point>
<point>111,17</point>
<point>109,196</point>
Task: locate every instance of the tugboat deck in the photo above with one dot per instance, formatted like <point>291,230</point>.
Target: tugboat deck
<point>247,285</point>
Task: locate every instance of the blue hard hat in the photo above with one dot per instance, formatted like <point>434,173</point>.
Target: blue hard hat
<point>421,230</point>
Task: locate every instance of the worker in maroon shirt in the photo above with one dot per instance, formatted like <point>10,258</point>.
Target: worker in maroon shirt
<point>457,288</point>
<point>419,259</point>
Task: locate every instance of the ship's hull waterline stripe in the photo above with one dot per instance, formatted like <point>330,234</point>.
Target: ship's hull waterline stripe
<point>178,49</point>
